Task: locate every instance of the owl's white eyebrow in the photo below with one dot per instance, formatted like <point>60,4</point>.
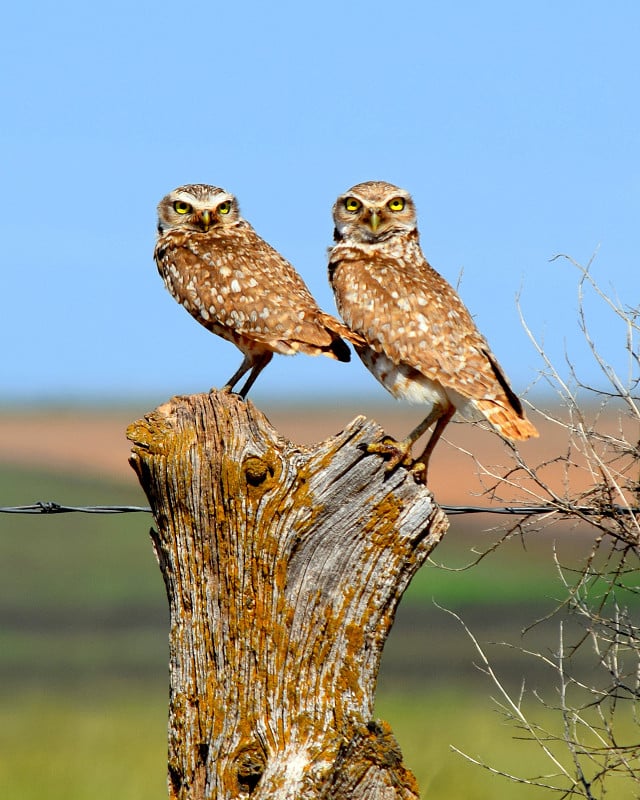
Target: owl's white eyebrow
<point>198,201</point>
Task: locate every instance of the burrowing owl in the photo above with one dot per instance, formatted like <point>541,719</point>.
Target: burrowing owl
<point>420,341</point>
<point>236,285</point>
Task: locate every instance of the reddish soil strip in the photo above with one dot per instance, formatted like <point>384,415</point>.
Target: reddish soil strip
<point>94,443</point>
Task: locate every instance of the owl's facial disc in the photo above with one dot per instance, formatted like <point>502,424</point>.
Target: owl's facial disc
<point>197,208</point>
<point>372,212</point>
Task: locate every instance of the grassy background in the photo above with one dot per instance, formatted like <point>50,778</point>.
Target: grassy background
<point>83,652</point>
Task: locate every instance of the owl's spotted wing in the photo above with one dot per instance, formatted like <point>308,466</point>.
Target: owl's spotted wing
<point>407,312</point>
<point>239,287</point>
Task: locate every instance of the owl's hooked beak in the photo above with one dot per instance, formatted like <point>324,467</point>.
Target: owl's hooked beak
<point>374,220</point>
<point>205,220</point>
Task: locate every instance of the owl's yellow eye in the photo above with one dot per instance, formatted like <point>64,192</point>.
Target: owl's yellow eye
<point>180,207</point>
<point>353,205</point>
<point>397,204</point>
<point>224,208</point>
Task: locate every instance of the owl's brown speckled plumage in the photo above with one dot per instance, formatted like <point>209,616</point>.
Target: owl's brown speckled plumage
<point>421,342</point>
<point>236,285</point>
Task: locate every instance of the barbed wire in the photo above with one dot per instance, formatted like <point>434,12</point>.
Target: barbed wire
<point>50,507</point>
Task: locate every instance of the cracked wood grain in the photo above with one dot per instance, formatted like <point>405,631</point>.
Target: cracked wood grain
<point>283,566</point>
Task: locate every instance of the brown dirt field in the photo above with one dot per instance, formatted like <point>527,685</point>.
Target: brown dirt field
<point>93,442</point>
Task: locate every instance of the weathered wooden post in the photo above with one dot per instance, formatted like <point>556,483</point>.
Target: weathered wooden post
<point>283,566</point>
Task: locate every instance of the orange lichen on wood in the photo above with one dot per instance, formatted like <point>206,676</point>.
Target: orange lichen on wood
<point>283,567</point>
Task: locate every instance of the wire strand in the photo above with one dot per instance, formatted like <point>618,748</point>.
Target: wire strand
<point>51,507</point>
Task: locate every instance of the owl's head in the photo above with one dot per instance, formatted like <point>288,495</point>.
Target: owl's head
<point>373,211</point>
<point>197,207</point>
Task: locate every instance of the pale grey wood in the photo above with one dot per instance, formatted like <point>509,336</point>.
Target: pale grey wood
<point>283,566</point>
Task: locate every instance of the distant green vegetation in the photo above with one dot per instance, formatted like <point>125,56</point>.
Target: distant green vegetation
<point>510,575</point>
<point>112,743</point>
<point>70,746</point>
<point>98,559</point>
<point>427,724</point>
<point>74,562</point>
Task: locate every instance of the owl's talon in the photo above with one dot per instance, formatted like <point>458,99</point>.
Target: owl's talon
<point>230,390</point>
<point>398,453</point>
<point>419,472</point>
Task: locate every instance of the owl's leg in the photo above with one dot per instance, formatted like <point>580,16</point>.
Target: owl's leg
<point>400,452</point>
<point>421,465</point>
<point>246,365</point>
<point>255,363</point>
<point>259,363</point>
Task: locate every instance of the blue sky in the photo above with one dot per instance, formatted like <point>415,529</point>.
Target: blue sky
<point>516,126</point>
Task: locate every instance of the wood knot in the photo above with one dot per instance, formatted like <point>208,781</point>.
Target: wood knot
<point>249,765</point>
<point>257,470</point>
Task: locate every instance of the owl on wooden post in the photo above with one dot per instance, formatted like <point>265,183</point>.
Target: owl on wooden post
<point>236,285</point>
<point>420,341</point>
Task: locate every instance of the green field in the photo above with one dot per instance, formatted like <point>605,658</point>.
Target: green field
<point>83,654</point>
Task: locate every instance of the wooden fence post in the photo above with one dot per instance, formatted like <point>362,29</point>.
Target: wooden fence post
<point>283,567</point>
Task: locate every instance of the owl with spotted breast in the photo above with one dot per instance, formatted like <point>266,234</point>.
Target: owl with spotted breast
<point>420,341</point>
<point>236,285</point>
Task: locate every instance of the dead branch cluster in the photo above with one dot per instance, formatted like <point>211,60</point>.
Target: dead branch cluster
<point>591,731</point>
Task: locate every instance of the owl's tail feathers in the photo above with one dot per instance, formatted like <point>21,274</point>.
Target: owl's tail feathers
<point>507,416</point>
<point>524,429</point>
<point>338,348</point>
<point>510,423</point>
